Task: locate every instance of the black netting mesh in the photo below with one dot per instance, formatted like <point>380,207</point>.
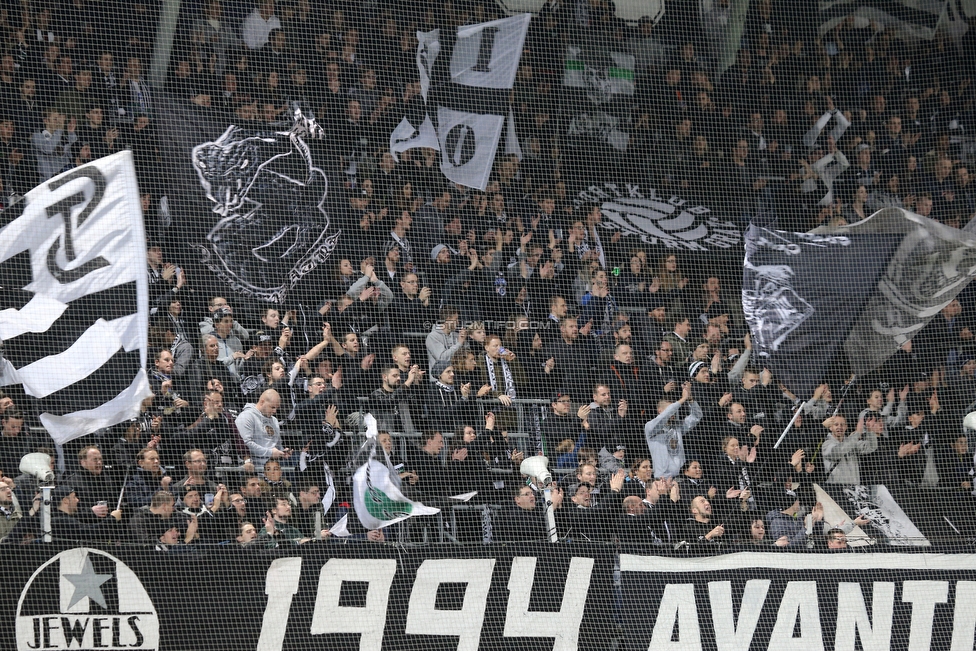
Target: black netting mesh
<point>323,306</point>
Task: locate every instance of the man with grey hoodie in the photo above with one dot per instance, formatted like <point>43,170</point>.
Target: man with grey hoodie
<point>260,430</point>
<point>665,439</point>
<point>445,339</point>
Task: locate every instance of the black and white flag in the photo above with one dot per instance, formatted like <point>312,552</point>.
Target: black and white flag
<point>250,200</point>
<point>932,264</point>
<point>76,292</point>
<point>801,295</point>
<point>908,19</point>
<point>470,106</point>
<point>599,86</point>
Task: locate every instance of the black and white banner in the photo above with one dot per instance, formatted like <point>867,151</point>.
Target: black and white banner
<point>251,201</point>
<point>75,335</point>
<point>811,602</point>
<point>472,105</point>
<point>664,220</point>
<point>359,596</point>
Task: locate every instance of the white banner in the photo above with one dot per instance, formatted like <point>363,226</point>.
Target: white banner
<point>487,55</point>
<point>468,144</point>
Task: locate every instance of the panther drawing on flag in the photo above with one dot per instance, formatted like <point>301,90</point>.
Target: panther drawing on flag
<point>269,196</point>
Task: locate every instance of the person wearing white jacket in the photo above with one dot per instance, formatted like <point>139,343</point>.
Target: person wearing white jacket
<point>260,431</point>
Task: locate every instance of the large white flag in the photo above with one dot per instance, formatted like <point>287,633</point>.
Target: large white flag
<point>472,105</point>
<point>77,342</point>
<point>376,494</point>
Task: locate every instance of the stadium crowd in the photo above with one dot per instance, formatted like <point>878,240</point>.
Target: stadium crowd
<point>481,327</point>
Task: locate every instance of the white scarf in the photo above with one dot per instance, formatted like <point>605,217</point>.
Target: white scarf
<point>506,371</point>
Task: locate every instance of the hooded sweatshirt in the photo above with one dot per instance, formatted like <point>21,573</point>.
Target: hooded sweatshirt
<point>261,433</point>
<point>664,440</point>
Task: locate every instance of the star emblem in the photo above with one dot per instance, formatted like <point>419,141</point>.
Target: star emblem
<point>88,584</point>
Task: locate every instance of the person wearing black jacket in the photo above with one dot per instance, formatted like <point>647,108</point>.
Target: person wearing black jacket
<point>798,459</point>
<point>701,527</point>
<point>692,482</point>
<point>310,413</point>
<point>634,526</point>
<point>446,405</point>
<point>15,442</point>
<point>412,306</point>
<point>579,520</point>
<point>539,368</point>
<point>663,379</point>
<point>652,518</point>
<point>919,448</point>
<point>303,514</point>
<point>523,521</point>
<point>215,433</point>
<point>425,461</point>
<point>609,427</point>
<point>231,511</point>
<point>466,467</point>
<point>325,453</point>
<point>575,359</point>
<point>730,473</point>
<point>561,425</point>
<point>394,404</point>
<point>257,506</point>
<point>756,394</point>
<point>627,381</point>
<point>66,525</point>
<point>166,280</point>
<point>665,507</point>
<point>146,479</point>
<point>93,486</point>
<point>206,368</point>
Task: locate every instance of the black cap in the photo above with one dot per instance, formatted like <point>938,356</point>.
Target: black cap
<point>220,313</point>
<point>61,492</point>
<point>781,500</point>
<point>263,337</point>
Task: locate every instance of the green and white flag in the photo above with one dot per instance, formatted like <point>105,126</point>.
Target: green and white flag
<point>603,74</point>
<point>376,493</point>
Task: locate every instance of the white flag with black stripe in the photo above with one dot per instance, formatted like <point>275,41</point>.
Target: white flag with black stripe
<point>76,294</point>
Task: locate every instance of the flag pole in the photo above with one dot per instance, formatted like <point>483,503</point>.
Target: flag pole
<point>790,425</point>
<point>122,492</point>
<point>844,397</point>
